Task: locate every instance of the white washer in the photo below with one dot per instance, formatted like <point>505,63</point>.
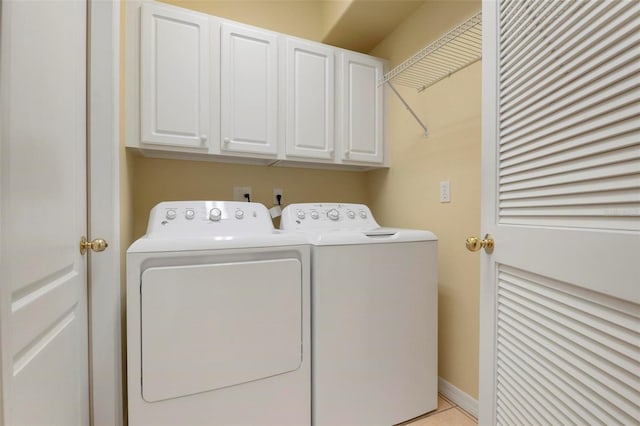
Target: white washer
<point>374,316</point>
<point>218,318</point>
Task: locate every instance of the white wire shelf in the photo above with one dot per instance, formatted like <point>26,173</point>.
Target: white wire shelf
<point>457,49</point>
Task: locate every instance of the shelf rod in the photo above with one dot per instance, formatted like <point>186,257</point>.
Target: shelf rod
<point>406,105</point>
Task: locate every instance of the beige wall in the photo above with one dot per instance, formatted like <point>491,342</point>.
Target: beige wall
<point>298,18</point>
<point>407,194</point>
<point>156,180</point>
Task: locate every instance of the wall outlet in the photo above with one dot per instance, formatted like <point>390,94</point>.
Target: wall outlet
<point>276,192</point>
<point>239,191</point>
<point>445,191</point>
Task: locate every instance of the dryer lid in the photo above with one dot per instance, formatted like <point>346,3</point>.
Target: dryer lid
<point>203,225</point>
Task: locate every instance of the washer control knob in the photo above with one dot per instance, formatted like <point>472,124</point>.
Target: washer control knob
<point>239,214</point>
<point>333,214</point>
<point>363,214</point>
<point>351,214</point>
<point>314,215</point>
<point>171,214</point>
<point>215,214</point>
<point>300,214</point>
<point>190,214</point>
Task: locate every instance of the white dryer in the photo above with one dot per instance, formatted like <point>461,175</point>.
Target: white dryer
<point>374,316</point>
<point>218,328</point>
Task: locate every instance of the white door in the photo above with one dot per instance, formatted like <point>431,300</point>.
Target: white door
<point>249,90</point>
<point>174,76</point>
<point>310,90</point>
<point>43,286</point>
<point>560,294</point>
<point>362,109</point>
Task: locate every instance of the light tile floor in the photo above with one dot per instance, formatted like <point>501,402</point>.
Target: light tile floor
<point>447,414</point>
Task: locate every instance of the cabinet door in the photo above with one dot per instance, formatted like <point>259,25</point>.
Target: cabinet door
<point>310,100</point>
<point>249,103</point>
<point>174,77</point>
<point>362,126</point>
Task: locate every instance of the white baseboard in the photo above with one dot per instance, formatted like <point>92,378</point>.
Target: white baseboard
<point>458,397</point>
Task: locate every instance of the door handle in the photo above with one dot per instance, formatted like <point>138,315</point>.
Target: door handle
<point>475,243</point>
<point>97,245</point>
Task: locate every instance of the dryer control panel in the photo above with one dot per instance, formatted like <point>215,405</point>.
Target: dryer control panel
<point>208,218</point>
<point>324,216</point>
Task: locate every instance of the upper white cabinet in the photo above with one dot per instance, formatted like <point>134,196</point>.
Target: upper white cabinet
<point>249,90</point>
<point>310,92</point>
<point>174,69</point>
<point>361,130</point>
<point>213,89</point>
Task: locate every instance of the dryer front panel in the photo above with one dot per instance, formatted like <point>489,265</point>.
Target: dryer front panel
<point>206,327</point>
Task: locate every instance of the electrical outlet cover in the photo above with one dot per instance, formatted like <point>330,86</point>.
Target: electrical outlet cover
<point>276,192</point>
<point>239,191</point>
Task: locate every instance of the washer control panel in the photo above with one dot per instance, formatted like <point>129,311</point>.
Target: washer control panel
<point>208,218</point>
<point>309,216</point>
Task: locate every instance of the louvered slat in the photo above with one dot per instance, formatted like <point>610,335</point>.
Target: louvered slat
<point>546,19</point>
<point>592,144</point>
<point>592,76</point>
<point>555,53</point>
<point>556,167</point>
<point>569,119</point>
<point>521,378</point>
<point>579,346</point>
<point>520,27</point>
<point>556,28</point>
<point>589,120</point>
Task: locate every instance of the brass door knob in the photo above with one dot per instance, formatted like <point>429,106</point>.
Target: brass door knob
<point>475,243</point>
<point>96,245</point>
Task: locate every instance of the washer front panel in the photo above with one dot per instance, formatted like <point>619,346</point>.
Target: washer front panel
<point>206,327</point>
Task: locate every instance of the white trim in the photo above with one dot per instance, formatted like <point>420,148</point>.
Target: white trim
<point>104,214</point>
<point>487,362</point>
<point>458,397</point>
<point>5,294</point>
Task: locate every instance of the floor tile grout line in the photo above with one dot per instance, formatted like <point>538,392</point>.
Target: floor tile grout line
<point>469,415</point>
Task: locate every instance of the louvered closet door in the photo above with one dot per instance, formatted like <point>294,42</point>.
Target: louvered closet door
<point>560,294</point>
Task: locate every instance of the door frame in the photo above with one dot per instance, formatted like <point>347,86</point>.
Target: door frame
<point>106,310</point>
<point>486,398</point>
<point>103,146</point>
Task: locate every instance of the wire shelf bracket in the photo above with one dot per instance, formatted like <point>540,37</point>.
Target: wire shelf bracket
<point>457,49</point>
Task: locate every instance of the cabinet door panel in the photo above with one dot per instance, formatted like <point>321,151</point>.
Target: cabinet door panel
<point>362,103</point>
<point>174,75</point>
<point>310,100</point>
<point>249,90</point>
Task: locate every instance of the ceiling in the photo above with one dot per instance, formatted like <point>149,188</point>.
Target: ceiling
<point>365,23</point>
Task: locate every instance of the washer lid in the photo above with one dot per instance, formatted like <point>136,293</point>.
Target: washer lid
<point>327,216</point>
<point>326,224</point>
<point>338,237</point>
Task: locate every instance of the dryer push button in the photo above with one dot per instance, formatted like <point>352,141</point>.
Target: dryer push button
<point>215,214</point>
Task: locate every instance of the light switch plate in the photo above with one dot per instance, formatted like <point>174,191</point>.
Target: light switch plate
<point>445,191</point>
